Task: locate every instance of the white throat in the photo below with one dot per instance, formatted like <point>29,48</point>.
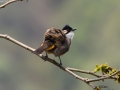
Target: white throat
<point>70,35</point>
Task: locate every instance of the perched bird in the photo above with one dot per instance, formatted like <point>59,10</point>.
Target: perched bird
<point>56,41</point>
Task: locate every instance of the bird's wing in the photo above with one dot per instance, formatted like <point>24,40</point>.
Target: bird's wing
<point>62,49</point>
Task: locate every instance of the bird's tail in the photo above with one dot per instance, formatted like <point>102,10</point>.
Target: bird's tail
<point>39,50</point>
<point>44,46</point>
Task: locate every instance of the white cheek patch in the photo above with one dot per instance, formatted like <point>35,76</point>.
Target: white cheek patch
<point>70,35</point>
<point>65,31</point>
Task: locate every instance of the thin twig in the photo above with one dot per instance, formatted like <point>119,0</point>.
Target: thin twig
<point>112,76</point>
<point>7,3</point>
<point>100,77</point>
<point>86,72</point>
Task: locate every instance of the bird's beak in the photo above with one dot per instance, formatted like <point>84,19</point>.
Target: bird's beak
<point>74,29</point>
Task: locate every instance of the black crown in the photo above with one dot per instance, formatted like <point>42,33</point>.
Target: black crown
<point>67,27</point>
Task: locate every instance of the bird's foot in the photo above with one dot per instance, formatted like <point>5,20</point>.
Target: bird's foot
<point>46,57</point>
<point>60,63</point>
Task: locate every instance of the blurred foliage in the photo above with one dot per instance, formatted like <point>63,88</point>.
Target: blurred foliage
<point>95,41</point>
<point>107,70</point>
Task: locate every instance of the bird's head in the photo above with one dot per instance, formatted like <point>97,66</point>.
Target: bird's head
<point>69,31</point>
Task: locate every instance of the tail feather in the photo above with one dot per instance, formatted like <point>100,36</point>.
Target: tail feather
<point>39,50</point>
<point>43,47</point>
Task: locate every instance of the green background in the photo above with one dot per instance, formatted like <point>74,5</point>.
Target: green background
<point>96,41</point>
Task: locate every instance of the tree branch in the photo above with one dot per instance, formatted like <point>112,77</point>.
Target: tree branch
<point>43,57</point>
<point>66,69</point>
<point>9,2</point>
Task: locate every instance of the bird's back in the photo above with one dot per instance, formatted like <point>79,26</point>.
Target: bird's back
<point>56,36</point>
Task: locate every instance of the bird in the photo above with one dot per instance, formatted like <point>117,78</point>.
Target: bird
<point>56,41</point>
